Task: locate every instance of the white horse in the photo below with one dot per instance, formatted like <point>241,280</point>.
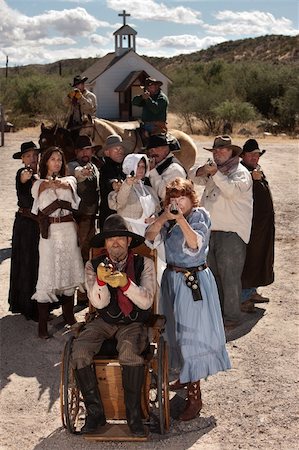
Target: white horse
<point>101,129</point>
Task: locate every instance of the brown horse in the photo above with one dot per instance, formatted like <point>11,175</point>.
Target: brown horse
<point>101,129</point>
<point>58,137</point>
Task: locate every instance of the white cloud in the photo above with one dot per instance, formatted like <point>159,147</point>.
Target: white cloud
<point>253,23</point>
<point>155,11</point>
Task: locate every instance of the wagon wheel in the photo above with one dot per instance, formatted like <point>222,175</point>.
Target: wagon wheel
<point>69,392</point>
<point>162,386</point>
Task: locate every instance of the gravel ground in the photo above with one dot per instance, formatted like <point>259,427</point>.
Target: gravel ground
<point>253,406</point>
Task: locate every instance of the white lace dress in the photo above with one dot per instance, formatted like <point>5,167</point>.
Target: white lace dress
<point>61,267</point>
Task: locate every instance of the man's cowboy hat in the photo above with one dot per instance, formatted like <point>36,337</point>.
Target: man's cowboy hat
<point>84,141</point>
<point>78,79</point>
<point>225,142</point>
<point>150,81</point>
<point>25,147</point>
<point>114,140</point>
<point>251,146</point>
<point>115,225</point>
<point>162,140</point>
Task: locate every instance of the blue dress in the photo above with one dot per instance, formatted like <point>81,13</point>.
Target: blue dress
<point>194,329</point>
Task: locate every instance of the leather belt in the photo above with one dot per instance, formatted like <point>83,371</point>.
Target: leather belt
<point>26,212</point>
<point>186,269</point>
<point>59,219</point>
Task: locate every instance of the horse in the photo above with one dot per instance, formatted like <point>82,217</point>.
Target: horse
<point>58,137</point>
<point>100,129</point>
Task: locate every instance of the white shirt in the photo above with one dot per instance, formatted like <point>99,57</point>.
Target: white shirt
<point>159,182</point>
<point>228,198</point>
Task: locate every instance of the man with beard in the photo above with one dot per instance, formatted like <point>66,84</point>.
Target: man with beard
<point>121,286</point>
<point>87,176</point>
<point>228,199</point>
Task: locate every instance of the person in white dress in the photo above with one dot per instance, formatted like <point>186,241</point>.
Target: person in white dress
<point>136,202</point>
<point>61,268</point>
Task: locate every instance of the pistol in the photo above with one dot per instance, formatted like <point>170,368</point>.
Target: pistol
<point>174,208</point>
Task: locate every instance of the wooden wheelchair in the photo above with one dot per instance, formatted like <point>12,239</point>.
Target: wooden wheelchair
<point>155,392</point>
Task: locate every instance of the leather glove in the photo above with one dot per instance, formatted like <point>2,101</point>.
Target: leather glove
<point>117,279</point>
<point>103,272</point>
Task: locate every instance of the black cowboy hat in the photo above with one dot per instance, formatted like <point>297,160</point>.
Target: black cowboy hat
<point>251,146</point>
<point>115,225</point>
<point>84,141</point>
<point>25,147</point>
<point>78,79</point>
<point>225,142</point>
<point>161,140</point>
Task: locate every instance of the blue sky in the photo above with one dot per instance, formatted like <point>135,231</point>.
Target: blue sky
<point>43,31</point>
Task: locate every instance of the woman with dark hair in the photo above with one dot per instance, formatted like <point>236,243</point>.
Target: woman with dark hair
<point>189,297</point>
<point>61,268</point>
<point>25,237</point>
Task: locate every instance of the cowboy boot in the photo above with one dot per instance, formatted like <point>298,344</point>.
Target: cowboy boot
<point>177,385</point>
<point>88,386</point>
<point>67,303</point>
<point>43,314</point>
<point>193,402</point>
<point>132,378</point>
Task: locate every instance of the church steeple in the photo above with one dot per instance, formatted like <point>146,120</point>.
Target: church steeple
<point>124,37</point>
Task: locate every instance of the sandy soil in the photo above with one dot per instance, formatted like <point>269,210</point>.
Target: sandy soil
<point>253,406</point>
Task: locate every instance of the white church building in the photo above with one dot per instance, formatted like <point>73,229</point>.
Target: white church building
<point>116,78</point>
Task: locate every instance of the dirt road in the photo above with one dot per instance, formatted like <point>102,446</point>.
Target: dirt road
<point>253,406</point>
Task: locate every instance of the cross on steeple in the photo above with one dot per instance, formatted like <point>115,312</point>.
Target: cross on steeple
<point>124,15</point>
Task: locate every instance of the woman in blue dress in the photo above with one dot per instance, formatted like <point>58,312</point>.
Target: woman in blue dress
<point>189,297</point>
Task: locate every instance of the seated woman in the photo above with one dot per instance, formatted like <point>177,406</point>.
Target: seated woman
<point>61,268</point>
<point>132,199</point>
<point>189,297</point>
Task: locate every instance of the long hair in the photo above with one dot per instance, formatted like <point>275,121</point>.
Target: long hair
<point>180,187</point>
<point>46,155</point>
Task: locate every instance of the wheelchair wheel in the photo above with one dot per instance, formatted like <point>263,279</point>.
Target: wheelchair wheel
<point>69,392</point>
<point>162,386</point>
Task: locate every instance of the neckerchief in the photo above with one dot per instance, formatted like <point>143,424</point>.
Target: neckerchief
<point>230,164</point>
<point>124,302</point>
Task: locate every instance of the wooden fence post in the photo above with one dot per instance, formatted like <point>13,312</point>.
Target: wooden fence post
<point>2,124</point>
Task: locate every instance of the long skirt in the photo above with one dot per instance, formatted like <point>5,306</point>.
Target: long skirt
<point>194,329</point>
<point>24,266</point>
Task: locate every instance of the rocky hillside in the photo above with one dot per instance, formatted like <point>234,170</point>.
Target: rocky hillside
<point>272,49</point>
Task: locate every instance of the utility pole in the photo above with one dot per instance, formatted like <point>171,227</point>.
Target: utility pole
<point>6,70</point>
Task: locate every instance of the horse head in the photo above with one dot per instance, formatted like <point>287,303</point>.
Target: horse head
<point>58,137</point>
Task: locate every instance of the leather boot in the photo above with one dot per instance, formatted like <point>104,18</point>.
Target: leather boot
<point>43,314</point>
<point>67,303</point>
<point>133,378</point>
<point>88,386</point>
<point>193,402</point>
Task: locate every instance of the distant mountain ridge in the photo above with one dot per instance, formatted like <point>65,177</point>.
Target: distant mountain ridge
<point>270,48</point>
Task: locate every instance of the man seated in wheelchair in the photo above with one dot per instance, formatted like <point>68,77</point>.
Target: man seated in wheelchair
<point>121,286</point>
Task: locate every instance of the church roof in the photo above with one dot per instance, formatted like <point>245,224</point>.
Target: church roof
<point>129,80</point>
<point>100,66</point>
<point>125,29</point>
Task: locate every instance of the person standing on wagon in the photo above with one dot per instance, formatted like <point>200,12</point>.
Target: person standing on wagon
<point>61,268</point>
<point>25,238</point>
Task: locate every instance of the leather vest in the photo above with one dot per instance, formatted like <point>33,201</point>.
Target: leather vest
<point>112,312</point>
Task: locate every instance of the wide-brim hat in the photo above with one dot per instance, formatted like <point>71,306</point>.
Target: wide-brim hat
<point>25,147</point>
<point>149,81</point>
<point>78,79</point>
<point>84,141</point>
<point>225,141</point>
<point>157,140</point>
<point>114,140</point>
<point>251,146</point>
<point>115,225</point>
